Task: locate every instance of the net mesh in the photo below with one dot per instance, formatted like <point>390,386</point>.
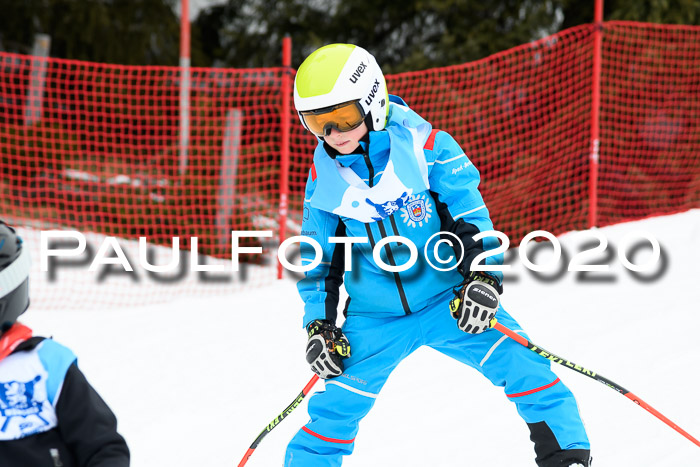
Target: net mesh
<point>649,121</point>
<point>523,117</point>
<point>100,149</point>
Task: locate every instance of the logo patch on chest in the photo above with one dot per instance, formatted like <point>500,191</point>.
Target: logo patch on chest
<point>21,408</point>
<point>417,210</point>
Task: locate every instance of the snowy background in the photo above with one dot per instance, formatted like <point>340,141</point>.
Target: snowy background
<point>194,382</point>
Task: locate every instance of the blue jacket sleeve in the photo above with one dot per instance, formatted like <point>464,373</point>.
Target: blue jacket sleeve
<point>454,184</point>
<point>320,287</point>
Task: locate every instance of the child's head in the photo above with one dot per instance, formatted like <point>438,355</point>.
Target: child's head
<point>340,87</point>
<point>14,277</point>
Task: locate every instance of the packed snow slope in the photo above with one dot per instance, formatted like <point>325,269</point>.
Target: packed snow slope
<point>194,382</point>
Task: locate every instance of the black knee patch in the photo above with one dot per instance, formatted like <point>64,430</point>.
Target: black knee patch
<point>549,453</point>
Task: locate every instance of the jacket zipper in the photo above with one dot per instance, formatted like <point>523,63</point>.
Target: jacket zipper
<point>56,457</point>
<point>387,248</point>
<point>370,167</point>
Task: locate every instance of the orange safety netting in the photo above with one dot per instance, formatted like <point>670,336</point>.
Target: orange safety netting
<point>102,149</point>
<point>649,121</point>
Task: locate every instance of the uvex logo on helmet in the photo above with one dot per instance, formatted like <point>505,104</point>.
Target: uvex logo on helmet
<point>340,73</point>
<point>372,93</point>
<point>356,74</point>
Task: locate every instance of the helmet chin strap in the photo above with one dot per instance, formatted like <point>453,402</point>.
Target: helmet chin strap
<point>368,121</point>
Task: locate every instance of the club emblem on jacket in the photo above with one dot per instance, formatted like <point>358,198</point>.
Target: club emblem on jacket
<point>17,400</point>
<point>417,211</point>
<point>388,208</point>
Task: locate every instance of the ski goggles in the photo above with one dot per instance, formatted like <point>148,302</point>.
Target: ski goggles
<point>343,117</point>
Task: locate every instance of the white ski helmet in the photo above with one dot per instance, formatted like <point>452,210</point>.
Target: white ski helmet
<point>340,76</point>
<point>14,277</point>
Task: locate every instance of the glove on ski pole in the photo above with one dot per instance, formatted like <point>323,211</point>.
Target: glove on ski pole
<point>591,374</point>
<point>326,348</point>
<point>278,419</point>
<point>476,302</point>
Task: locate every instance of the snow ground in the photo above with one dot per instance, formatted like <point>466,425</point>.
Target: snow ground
<point>194,382</point>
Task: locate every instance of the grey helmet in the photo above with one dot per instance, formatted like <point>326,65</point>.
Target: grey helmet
<point>14,277</point>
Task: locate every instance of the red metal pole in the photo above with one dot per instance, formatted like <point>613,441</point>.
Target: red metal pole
<point>285,122</point>
<point>185,30</point>
<point>595,116</point>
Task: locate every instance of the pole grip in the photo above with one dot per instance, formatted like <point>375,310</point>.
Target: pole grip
<point>512,334</point>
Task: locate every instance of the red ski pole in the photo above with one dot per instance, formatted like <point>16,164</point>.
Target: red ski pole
<point>591,374</point>
<point>295,403</point>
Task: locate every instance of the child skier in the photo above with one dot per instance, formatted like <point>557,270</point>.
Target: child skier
<point>50,416</point>
<point>380,170</point>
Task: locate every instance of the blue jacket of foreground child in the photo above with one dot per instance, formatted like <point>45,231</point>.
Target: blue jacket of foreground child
<point>443,197</point>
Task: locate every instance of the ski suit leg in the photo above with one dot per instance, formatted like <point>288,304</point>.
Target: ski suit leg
<point>542,400</point>
<point>378,345</point>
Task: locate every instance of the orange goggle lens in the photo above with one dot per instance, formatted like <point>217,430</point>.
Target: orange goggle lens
<point>342,117</point>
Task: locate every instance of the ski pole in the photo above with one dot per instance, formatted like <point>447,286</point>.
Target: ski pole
<point>295,403</point>
<point>591,374</point>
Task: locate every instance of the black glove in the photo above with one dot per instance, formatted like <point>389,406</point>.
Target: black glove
<point>476,302</point>
<point>326,349</point>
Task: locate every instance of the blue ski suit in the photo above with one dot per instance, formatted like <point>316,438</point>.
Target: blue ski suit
<point>390,314</point>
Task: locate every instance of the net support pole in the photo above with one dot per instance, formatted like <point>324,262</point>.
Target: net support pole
<point>285,123</point>
<point>595,115</point>
<point>35,93</point>
<point>184,83</point>
<point>226,199</point>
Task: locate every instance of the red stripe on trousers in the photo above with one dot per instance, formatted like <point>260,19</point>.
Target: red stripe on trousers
<point>532,391</point>
<point>330,440</point>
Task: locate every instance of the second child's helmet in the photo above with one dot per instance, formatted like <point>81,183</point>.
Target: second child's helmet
<point>14,277</point>
<point>340,86</point>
